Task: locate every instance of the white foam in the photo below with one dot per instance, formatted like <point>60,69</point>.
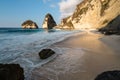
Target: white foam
<point>23,49</point>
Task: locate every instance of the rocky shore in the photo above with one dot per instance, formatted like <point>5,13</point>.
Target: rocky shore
<point>88,56</point>
<point>113,27</point>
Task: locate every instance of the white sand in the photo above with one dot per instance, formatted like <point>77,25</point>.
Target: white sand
<point>81,57</point>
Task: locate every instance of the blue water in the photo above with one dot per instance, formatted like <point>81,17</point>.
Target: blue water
<point>19,30</point>
<point>22,45</point>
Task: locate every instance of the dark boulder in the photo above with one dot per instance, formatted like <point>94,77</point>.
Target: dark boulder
<point>109,75</point>
<point>11,72</point>
<point>45,53</point>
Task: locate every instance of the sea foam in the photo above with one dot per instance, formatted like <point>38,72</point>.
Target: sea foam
<point>22,46</point>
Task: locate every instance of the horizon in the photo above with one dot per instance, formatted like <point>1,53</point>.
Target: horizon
<point>14,13</point>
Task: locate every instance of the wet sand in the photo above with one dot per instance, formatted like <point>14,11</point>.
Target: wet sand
<point>80,57</point>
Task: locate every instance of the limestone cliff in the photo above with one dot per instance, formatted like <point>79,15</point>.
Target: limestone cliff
<point>93,14</point>
<point>114,24</point>
<point>49,22</point>
<point>29,24</point>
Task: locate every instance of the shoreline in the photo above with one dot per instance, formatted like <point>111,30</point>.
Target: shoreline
<point>113,43</point>
<point>80,57</point>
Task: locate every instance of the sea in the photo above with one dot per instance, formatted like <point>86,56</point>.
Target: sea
<point>21,46</point>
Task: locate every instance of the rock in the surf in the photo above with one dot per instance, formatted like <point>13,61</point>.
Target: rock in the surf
<point>109,75</point>
<point>45,53</point>
<point>11,72</point>
<point>29,24</point>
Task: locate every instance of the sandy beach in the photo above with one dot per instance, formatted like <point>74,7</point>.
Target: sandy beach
<point>81,57</point>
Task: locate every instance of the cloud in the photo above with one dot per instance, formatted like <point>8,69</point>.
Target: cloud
<point>52,6</point>
<point>67,7</point>
<point>46,1</point>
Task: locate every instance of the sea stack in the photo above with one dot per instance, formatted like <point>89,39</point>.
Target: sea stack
<point>49,22</point>
<point>29,24</point>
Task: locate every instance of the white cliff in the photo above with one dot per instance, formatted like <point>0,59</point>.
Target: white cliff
<point>93,14</point>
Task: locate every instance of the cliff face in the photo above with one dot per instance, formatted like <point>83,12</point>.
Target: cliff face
<point>113,27</point>
<point>49,22</point>
<point>93,14</point>
<point>29,24</point>
<point>114,24</point>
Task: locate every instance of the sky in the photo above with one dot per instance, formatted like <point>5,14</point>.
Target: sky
<point>14,12</point>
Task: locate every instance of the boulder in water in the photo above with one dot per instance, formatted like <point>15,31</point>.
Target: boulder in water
<point>11,72</point>
<point>45,53</point>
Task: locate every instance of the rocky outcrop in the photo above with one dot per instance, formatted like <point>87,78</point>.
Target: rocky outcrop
<point>93,14</point>
<point>29,24</point>
<point>11,72</point>
<point>113,27</point>
<point>66,24</point>
<point>45,53</point>
<point>49,22</point>
<point>109,75</point>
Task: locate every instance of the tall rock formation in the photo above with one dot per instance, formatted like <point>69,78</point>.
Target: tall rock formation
<point>29,24</point>
<point>49,22</point>
<point>93,14</point>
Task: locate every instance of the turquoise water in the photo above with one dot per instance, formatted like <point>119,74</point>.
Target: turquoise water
<point>17,41</point>
<point>23,45</point>
<point>20,30</point>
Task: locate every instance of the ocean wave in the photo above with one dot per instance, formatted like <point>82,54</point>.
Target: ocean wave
<point>24,49</point>
<point>12,44</point>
